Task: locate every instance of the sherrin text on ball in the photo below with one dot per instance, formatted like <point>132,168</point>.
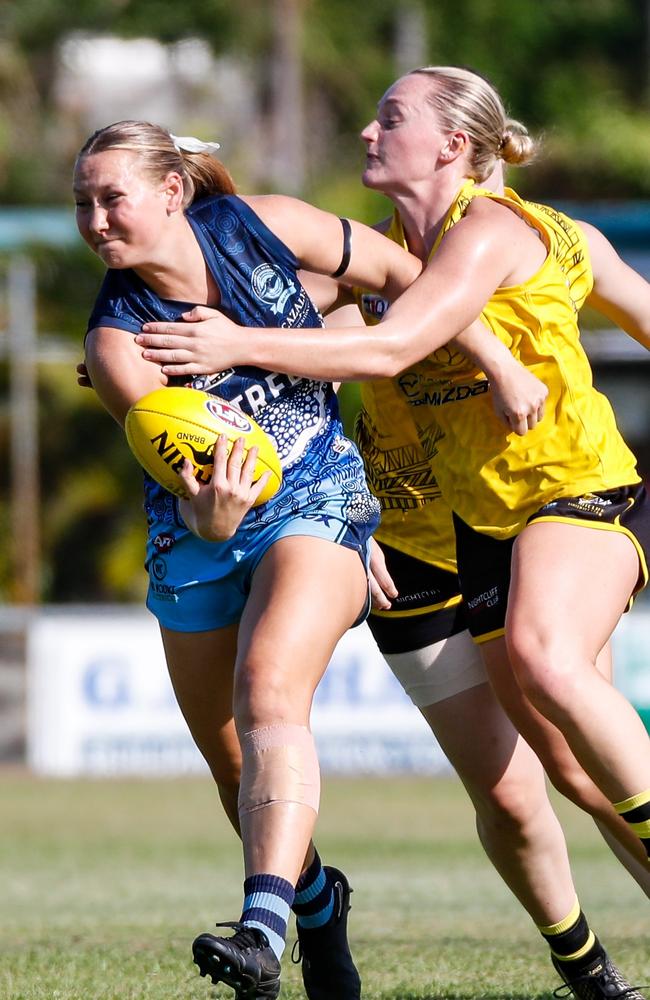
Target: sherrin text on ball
<point>171,424</point>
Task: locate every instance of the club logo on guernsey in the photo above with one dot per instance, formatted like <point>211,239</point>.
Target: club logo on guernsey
<point>227,414</point>
<point>208,382</point>
<point>271,286</point>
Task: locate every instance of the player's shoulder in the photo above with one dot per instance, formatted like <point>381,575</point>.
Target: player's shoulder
<point>494,210</point>
<point>483,222</point>
<point>274,209</point>
<point>497,222</point>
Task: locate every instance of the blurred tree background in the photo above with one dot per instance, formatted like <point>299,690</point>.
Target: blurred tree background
<point>286,85</point>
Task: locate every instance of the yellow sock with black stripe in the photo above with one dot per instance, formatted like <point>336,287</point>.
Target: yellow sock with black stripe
<point>573,944</point>
<point>636,812</point>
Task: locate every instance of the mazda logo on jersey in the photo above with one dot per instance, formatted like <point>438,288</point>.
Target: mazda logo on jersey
<point>420,392</point>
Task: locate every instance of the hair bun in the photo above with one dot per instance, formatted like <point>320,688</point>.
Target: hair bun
<point>516,146</point>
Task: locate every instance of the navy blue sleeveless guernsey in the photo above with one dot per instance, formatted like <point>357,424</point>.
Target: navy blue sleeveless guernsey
<point>323,491</point>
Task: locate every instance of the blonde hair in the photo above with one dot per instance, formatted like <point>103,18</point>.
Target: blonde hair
<point>465,100</point>
<point>202,173</point>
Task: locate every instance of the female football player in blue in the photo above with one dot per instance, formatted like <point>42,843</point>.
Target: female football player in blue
<point>241,613</point>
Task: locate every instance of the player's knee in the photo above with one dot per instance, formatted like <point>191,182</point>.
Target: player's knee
<point>223,757</point>
<point>262,695</point>
<point>510,809</point>
<point>226,771</point>
<point>280,764</point>
<point>545,672</point>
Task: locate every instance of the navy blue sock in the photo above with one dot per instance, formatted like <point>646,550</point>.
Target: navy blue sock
<point>267,903</point>
<point>314,900</point>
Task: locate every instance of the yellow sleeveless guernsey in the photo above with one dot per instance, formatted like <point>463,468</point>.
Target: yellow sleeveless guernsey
<point>493,479</point>
<point>414,519</point>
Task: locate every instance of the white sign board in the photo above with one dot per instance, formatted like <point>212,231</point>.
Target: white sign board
<point>100,702</point>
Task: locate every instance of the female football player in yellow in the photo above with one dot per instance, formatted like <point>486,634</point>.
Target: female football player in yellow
<point>526,271</point>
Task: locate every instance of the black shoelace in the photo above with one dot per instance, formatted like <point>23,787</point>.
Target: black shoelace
<point>607,977</point>
<point>247,937</point>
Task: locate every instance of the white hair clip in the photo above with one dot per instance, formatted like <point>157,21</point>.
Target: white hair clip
<point>188,144</point>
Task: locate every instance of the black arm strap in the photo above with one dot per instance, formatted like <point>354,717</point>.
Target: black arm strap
<point>347,249</point>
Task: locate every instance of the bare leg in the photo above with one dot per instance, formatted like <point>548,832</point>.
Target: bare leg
<point>639,870</point>
<point>515,821</point>
<point>201,667</point>
<point>558,760</point>
<point>561,612</point>
<point>505,781</point>
<point>286,642</point>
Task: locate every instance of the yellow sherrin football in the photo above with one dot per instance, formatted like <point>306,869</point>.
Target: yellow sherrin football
<point>168,425</point>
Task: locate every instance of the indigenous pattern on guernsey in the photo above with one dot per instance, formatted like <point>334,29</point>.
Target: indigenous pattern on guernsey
<point>494,480</point>
<point>398,471</point>
<point>570,251</point>
<point>400,443</point>
<point>256,275</point>
<point>398,456</point>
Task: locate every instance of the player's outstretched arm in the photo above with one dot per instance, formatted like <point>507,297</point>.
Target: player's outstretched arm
<point>619,292</point>
<point>518,396</point>
<point>472,261</point>
<point>190,348</point>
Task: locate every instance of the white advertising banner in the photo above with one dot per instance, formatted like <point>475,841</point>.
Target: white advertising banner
<point>100,703</point>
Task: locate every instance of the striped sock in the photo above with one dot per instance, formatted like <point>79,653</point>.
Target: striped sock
<point>636,812</point>
<point>314,902</point>
<point>572,942</point>
<point>267,902</point>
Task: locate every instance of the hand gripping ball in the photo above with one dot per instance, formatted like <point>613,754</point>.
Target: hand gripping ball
<point>169,425</point>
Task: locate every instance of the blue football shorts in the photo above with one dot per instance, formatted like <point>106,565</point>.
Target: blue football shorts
<point>198,586</point>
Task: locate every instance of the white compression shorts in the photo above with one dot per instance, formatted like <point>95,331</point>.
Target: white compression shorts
<point>440,670</point>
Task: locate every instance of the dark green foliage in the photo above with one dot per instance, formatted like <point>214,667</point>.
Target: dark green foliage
<point>575,70</point>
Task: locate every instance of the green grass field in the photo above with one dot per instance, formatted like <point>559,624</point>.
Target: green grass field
<point>105,884</point>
